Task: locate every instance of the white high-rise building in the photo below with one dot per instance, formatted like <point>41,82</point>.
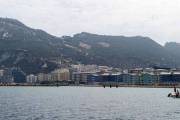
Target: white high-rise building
<point>85,68</point>
<point>31,78</point>
<point>1,73</point>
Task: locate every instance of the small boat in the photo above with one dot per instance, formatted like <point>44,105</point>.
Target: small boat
<point>173,94</point>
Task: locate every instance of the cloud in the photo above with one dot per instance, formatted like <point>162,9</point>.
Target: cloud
<point>157,19</point>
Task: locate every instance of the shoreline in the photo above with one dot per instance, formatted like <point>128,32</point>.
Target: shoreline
<point>107,86</point>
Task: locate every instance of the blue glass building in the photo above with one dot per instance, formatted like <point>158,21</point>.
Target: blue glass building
<point>175,77</point>
<point>105,78</point>
<point>18,75</point>
<point>94,78</point>
<point>7,76</point>
<point>165,77</point>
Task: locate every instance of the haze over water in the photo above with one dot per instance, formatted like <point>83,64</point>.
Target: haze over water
<point>81,103</point>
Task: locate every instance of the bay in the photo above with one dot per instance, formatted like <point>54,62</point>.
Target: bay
<point>84,103</point>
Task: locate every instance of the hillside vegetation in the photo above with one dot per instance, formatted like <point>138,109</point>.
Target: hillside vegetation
<point>36,51</point>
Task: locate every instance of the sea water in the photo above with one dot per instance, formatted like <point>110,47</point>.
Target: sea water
<point>85,103</point>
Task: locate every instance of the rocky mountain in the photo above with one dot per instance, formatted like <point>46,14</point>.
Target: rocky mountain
<point>26,48</point>
<point>36,51</point>
<point>124,52</point>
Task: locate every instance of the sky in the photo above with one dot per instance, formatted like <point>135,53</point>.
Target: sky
<point>157,19</point>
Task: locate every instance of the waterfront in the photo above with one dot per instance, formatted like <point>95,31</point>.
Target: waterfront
<point>29,103</point>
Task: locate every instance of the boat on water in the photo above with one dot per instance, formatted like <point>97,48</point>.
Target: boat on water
<point>173,94</point>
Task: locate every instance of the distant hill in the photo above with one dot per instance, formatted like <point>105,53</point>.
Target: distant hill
<point>36,51</point>
<point>174,47</point>
<point>24,47</point>
<point>125,52</point>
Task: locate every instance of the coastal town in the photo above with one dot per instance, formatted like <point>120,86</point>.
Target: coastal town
<point>94,75</point>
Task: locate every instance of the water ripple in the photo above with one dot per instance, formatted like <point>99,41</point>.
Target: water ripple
<point>85,103</point>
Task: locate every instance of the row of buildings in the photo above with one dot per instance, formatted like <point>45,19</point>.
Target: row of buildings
<point>138,76</point>
<point>56,75</point>
<point>9,75</point>
<point>93,74</point>
<point>16,75</point>
<point>128,78</point>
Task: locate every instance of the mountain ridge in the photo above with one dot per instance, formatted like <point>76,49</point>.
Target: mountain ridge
<point>34,47</point>
<point>174,47</point>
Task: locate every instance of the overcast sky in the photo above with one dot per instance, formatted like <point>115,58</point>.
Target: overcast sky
<point>157,19</point>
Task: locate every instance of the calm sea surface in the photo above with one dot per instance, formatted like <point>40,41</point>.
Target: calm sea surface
<point>83,103</point>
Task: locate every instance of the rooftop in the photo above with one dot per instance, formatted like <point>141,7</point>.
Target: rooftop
<point>165,73</point>
<point>94,72</point>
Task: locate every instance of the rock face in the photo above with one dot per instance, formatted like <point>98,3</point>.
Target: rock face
<point>30,49</point>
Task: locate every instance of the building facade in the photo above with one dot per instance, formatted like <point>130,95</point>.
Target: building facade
<point>18,75</point>
<point>106,77</point>
<point>1,73</point>
<point>31,78</point>
<point>6,76</point>
<point>169,78</point>
<point>60,75</point>
<point>92,78</point>
<point>132,79</point>
<point>43,77</point>
<point>82,76</point>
